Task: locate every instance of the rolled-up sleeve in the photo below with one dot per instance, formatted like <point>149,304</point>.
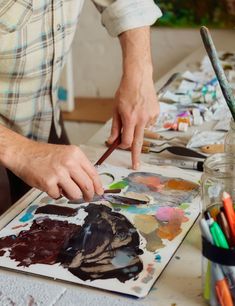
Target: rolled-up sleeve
<point>121,15</point>
<point>14,14</point>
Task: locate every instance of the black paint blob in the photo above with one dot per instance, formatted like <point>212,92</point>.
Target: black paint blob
<point>106,247</point>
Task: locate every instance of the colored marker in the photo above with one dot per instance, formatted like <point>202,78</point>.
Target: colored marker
<point>221,287</point>
<point>209,285</point>
<point>220,241</point>
<point>229,213</point>
<point>205,230</point>
<point>216,232</point>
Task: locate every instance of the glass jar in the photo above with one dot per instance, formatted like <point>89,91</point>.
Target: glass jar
<point>218,176</point>
<point>229,143</point>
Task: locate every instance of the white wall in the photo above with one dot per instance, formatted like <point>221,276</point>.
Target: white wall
<point>97,57</point>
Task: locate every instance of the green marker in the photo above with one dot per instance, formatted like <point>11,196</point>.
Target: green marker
<point>216,232</point>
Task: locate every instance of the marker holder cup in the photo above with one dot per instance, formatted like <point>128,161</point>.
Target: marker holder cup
<point>218,176</point>
<point>225,259</point>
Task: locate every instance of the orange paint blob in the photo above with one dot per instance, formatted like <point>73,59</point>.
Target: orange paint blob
<point>172,228</point>
<point>169,231</point>
<point>153,183</point>
<point>180,185</point>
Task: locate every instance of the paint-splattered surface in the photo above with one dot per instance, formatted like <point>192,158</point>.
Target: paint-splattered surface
<point>115,243</point>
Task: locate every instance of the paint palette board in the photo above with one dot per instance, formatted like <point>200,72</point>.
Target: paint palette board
<point>111,244</point>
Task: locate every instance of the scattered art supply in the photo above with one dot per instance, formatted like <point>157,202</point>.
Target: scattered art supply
<point>206,138</point>
<point>171,79</point>
<point>103,244</point>
<point>195,98</point>
<point>212,149</point>
<point>184,164</point>
<point>183,127</point>
<point>177,150</point>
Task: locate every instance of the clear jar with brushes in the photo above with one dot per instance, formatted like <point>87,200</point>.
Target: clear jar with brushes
<point>218,176</point>
<point>229,143</point>
<point>218,252</point>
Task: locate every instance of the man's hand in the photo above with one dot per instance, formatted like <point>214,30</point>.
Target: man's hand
<point>56,169</point>
<point>136,104</point>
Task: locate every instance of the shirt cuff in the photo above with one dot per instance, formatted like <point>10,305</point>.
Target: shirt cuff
<point>123,15</point>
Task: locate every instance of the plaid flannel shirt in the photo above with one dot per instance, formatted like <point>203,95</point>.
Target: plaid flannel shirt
<point>35,37</point>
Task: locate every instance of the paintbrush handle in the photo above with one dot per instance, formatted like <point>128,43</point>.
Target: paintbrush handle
<point>112,147</point>
<point>145,149</point>
<point>224,84</point>
<point>213,148</point>
<point>153,135</point>
<point>147,143</point>
<point>168,82</point>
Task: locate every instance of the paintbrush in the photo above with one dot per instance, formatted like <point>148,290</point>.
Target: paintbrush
<point>177,150</point>
<point>176,141</point>
<point>224,84</point>
<point>174,149</point>
<point>113,199</point>
<point>156,136</point>
<point>112,147</point>
<point>173,77</point>
<point>153,135</point>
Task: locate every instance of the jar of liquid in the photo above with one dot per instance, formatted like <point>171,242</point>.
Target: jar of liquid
<point>229,143</point>
<point>218,176</point>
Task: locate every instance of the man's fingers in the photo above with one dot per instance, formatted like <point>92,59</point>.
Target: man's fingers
<point>116,127</point>
<point>84,182</point>
<point>70,189</point>
<point>93,175</point>
<point>137,146</point>
<point>151,122</point>
<point>54,191</point>
<point>128,129</point>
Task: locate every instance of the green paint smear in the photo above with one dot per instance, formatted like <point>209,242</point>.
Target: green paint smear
<point>118,206</point>
<point>119,185</point>
<point>134,209</point>
<point>184,206</point>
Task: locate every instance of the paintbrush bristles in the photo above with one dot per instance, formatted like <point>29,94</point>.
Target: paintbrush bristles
<point>224,84</point>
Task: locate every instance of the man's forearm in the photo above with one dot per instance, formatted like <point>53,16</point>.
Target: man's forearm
<point>136,51</point>
<point>10,146</point>
<point>135,101</point>
<point>7,139</point>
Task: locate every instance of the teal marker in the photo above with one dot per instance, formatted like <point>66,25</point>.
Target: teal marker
<point>216,232</point>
